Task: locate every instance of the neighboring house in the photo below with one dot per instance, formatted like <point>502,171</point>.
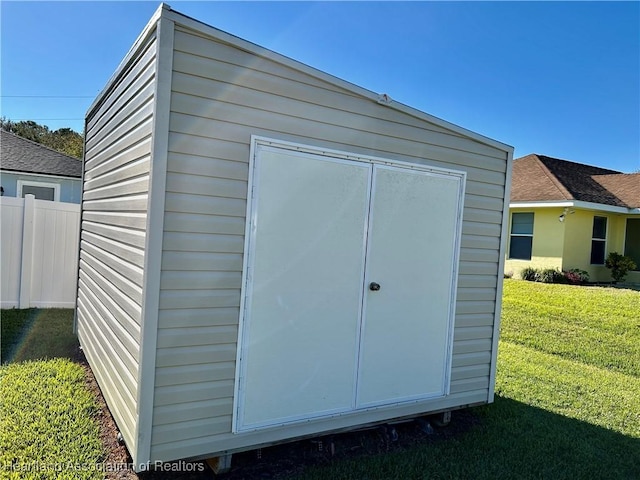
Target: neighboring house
<point>28,167</point>
<point>568,215</point>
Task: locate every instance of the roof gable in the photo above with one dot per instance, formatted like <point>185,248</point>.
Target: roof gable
<point>531,180</point>
<point>20,155</point>
<point>539,178</point>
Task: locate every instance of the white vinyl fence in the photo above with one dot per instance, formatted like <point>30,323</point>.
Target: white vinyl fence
<point>39,252</point>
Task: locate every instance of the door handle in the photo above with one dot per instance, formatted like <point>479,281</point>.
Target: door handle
<point>374,287</point>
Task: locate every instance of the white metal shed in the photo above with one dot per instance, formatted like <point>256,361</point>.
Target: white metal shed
<point>269,252</point>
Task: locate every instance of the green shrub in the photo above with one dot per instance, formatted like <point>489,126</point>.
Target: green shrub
<point>619,266</point>
<point>550,275</point>
<point>529,273</point>
<point>553,275</point>
<point>575,276</point>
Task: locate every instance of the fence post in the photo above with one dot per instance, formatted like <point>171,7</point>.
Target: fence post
<point>26,260</point>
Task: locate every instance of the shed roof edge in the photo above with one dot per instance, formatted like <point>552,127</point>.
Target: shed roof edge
<point>146,33</point>
<point>165,11</point>
<point>198,25</point>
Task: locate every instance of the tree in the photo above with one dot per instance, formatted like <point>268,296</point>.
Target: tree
<point>27,129</point>
<point>63,140</point>
<point>67,141</point>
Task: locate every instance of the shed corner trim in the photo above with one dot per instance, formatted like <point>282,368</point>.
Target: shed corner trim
<point>500,282</point>
<point>153,241</point>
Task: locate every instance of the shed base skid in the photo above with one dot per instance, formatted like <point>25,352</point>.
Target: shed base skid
<point>326,442</point>
<point>442,419</point>
<point>352,444</point>
<point>221,464</point>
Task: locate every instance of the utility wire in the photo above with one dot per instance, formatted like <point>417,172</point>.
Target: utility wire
<point>47,96</point>
<point>31,118</point>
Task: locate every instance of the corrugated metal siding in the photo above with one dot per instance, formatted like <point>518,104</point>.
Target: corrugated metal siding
<point>220,97</point>
<point>115,194</point>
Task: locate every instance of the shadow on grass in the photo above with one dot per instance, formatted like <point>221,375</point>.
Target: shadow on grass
<point>34,334</point>
<point>510,440</point>
<point>531,442</point>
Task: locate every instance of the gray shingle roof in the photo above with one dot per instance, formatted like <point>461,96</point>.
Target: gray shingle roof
<point>541,178</point>
<point>18,154</point>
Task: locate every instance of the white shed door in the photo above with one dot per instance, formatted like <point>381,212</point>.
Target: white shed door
<point>318,338</point>
<point>412,235</point>
<point>305,285</point>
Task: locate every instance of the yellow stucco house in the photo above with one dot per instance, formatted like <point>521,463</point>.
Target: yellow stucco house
<point>568,215</point>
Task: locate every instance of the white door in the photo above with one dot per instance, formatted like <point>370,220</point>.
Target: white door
<point>318,338</point>
<point>305,284</point>
<point>409,280</point>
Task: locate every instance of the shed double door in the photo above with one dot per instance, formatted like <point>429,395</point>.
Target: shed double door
<point>350,271</point>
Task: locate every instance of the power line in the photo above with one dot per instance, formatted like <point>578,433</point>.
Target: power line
<point>31,118</point>
<point>47,96</point>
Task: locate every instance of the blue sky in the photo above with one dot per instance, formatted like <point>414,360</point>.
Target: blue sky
<point>556,78</point>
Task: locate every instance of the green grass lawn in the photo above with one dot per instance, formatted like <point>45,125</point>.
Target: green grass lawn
<point>35,334</point>
<point>47,415</point>
<point>567,397</point>
<point>591,325</point>
<point>47,426</point>
<point>574,351</point>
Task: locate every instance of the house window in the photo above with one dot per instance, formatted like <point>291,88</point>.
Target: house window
<point>521,239</point>
<point>598,240</point>
<point>632,240</point>
<point>41,190</point>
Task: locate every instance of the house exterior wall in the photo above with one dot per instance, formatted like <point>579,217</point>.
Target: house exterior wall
<point>617,231</point>
<point>618,237</point>
<point>548,240</point>
<point>577,248</point>
<point>567,245</point>
<point>118,147</point>
<point>70,188</point>
<point>222,95</point>
<point>577,251</point>
<point>633,277</point>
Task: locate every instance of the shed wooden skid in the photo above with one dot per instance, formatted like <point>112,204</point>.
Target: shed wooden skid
<point>184,149</point>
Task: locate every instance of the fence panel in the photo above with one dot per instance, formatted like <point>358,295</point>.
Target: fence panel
<point>39,253</point>
<point>11,216</point>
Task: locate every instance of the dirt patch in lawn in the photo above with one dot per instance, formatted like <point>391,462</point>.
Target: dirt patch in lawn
<point>280,461</point>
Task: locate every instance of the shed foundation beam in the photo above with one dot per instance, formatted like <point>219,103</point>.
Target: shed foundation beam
<point>221,464</point>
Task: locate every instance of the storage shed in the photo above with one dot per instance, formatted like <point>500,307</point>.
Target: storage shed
<point>269,252</point>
